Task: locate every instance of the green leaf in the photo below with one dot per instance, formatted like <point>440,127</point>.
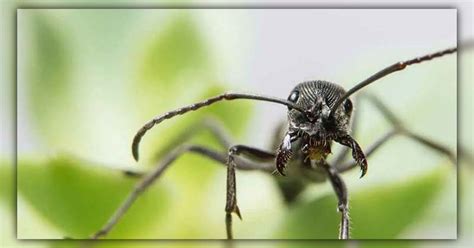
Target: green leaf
<point>49,80</point>
<point>7,205</point>
<point>174,71</point>
<point>310,244</point>
<point>178,49</point>
<point>175,67</point>
<point>379,213</point>
<point>79,198</point>
<point>388,244</point>
<point>6,176</point>
<point>140,244</point>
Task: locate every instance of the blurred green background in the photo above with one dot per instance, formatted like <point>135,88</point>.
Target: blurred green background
<point>87,79</point>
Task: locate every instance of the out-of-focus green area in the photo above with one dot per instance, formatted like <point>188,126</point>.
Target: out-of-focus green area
<point>91,119</point>
<point>82,113</point>
<point>78,198</point>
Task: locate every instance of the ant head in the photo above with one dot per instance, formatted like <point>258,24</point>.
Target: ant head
<point>317,98</point>
<point>317,121</point>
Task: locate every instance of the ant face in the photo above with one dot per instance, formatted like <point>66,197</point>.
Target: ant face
<point>314,124</point>
<point>317,98</point>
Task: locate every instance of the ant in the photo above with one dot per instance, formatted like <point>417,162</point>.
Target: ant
<point>319,113</point>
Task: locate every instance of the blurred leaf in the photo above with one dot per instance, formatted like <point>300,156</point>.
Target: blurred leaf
<point>174,68</point>
<point>336,244</point>
<point>309,244</point>
<point>378,213</point>
<point>50,80</point>
<point>174,71</point>
<point>7,207</point>
<point>388,243</point>
<point>6,181</point>
<point>139,244</point>
<point>79,198</point>
<point>178,49</point>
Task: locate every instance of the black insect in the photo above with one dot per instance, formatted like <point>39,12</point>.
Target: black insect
<point>319,113</point>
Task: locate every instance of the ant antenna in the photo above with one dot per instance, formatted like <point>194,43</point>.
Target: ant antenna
<point>198,105</point>
<point>389,70</point>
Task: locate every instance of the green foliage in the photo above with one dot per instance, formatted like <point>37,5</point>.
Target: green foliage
<point>173,67</point>
<point>378,213</point>
<point>178,49</point>
<point>50,81</point>
<point>6,182</point>
<point>78,198</point>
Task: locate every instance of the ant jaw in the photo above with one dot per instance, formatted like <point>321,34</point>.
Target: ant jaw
<point>357,153</point>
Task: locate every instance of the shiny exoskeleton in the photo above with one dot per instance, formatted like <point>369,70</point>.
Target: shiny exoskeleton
<point>308,140</point>
<point>316,128</point>
<point>319,115</point>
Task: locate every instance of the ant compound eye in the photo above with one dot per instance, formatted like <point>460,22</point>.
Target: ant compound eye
<point>348,106</point>
<point>294,96</point>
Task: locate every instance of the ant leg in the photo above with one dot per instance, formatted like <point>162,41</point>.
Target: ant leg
<point>133,174</point>
<point>231,198</point>
<point>151,177</point>
<point>401,129</point>
<point>343,207</point>
<point>398,129</point>
<point>210,124</point>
